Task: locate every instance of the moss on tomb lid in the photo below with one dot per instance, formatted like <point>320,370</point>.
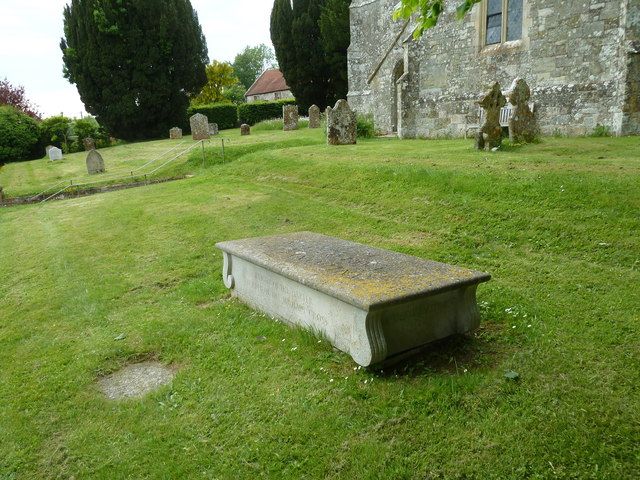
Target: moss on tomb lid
<point>363,276</point>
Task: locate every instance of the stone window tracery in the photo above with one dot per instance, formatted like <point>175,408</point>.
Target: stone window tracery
<point>503,21</point>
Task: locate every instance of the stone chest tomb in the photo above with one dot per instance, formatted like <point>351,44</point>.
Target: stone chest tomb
<point>370,303</point>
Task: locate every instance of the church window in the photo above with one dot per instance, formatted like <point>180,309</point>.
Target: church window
<point>503,21</point>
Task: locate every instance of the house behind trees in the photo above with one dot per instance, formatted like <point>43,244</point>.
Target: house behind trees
<point>271,85</point>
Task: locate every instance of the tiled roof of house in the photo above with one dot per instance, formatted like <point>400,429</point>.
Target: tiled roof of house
<point>269,82</point>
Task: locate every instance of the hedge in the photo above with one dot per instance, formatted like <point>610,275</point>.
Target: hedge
<point>255,112</point>
<point>224,114</point>
<point>19,136</point>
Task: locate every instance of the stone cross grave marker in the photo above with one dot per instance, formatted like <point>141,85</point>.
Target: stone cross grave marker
<point>314,116</point>
<point>341,124</point>
<point>199,127</point>
<point>175,133</point>
<point>213,129</point>
<point>95,163</point>
<point>522,126</point>
<point>89,144</point>
<point>290,116</point>
<point>373,304</point>
<point>55,154</point>
<point>490,134</point>
<point>245,129</point>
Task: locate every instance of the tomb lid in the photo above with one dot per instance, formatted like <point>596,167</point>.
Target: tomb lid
<point>360,275</point>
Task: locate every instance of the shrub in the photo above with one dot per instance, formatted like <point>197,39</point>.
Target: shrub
<point>224,114</point>
<point>56,131</point>
<point>601,131</point>
<point>255,112</point>
<point>19,136</point>
<point>365,127</point>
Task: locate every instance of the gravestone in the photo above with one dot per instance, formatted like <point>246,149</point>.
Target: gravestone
<point>89,144</point>
<point>213,129</point>
<point>314,116</point>
<point>55,154</point>
<point>175,133</point>
<point>522,125</point>
<point>290,116</point>
<point>199,127</point>
<point>341,124</point>
<point>245,129</point>
<point>373,304</point>
<point>490,135</point>
<point>1,194</point>
<point>47,148</point>
<point>95,163</point>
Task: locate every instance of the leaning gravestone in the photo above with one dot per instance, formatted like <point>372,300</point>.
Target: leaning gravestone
<point>314,116</point>
<point>290,116</point>
<point>341,124</point>
<point>213,129</point>
<point>490,134</point>
<point>522,125</point>
<point>95,163</point>
<point>370,303</point>
<point>199,127</point>
<point>89,144</point>
<point>55,154</point>
<point>245,129</point>
<point>175,133</point>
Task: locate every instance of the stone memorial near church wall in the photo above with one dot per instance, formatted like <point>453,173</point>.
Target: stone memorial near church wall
<point>213,129</point>
<point>490,134</point>
<point>373,304</point>
<point>55,154</point>
<point>522,124</point>
<point>314,116</point>
<point>175,133</point>
<point>290,116</point>
<point>89,144</point>
<point>245,129</point>
<point>341,124</point>
<point>95,163</point>
<point>199,127</point>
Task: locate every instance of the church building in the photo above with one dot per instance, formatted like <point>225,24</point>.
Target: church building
<point>581,59</point>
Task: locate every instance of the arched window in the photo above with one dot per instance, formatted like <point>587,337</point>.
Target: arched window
<point>503,21</point>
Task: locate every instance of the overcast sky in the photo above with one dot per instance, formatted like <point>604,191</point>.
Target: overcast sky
<point>30,32</point>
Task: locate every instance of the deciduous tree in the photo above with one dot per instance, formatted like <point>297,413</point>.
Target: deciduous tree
<point>15,96</point>
<point>428,12</point>
<point>220,77</point>
<point>251,62</point>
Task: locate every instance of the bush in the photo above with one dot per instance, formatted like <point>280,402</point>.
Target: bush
<point>255,112</point>
<point>56,131</point>
<point>19,136</point>
<point>601,131</point>
<point>365,127</point>
<point>224,114</point>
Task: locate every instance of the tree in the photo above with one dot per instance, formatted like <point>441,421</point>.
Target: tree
<point>220,77</point>
<point>56,131</point>
<point>19,135</point>
<point>235,94</point>
<point>15,96</point>
<point>251,62</point>
<point>335,35</point>
<point>282,39</point>
<point>135,62</point>
<point>428,12</point>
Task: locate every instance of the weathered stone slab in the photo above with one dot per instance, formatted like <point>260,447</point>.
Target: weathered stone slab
<point>490,134</point>
<point>370,303</point>
<point>314,116</point>
<point>95,163</point>
<point>341,124</point>
<point>291,117</point>
<point>199,127</point>
<point>175,133</point>
<point>213,129</point>
<point>245,129</point>
<point>89,144</point>
<point>55,154</point>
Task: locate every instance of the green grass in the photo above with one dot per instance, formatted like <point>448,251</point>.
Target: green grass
<point>555,223</point>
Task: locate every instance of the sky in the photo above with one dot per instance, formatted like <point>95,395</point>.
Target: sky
<point>30,32</point>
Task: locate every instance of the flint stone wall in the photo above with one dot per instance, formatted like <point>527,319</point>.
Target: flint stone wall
<point>581,60</point>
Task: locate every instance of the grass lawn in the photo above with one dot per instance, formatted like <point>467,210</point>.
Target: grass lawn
<point>88,285</point>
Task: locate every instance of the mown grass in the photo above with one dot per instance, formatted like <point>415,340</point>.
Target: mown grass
<point>556,224</point>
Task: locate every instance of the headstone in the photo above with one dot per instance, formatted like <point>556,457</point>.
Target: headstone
<point>314,116</point>
<point>199,127</point>
<point>55,154</point>
<point>290,116</point>
<point>245,129</point>
<point>47,148</point>
<point>213,129</point>
<point>175,133</point>
<point>370,303</point>
<point>490,134</point>
<point>95,163</point>
<point>522,126</point>
<point>89,144</point>
<point>341,124</point>
<point>1,194</point>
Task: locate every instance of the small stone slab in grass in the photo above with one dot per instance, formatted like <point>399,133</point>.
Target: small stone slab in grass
<point>135,381</point>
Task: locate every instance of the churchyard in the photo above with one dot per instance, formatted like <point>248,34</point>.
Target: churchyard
<point>545,388</point>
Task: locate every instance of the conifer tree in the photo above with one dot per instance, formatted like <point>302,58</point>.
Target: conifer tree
<point>335,35</point>
<point>135,62</point>
<point>281,23</point>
